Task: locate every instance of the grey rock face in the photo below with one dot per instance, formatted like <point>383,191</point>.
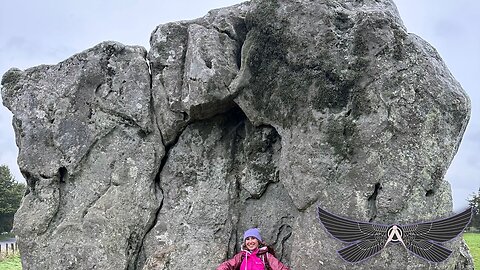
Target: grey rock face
<point>250,116</point>
<point>206,198</point>
<point>89,152</point>
<point>193,64</point>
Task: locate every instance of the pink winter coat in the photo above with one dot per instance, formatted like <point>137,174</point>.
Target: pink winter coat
<point>251,260</point>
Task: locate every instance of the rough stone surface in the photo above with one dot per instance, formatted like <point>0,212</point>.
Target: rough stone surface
<point>253,115</point>
<point>193,64</point>
<point>89,151</point>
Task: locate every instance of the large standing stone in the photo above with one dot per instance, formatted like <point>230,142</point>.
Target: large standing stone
<point>253,115</point>
<point>89,152</point>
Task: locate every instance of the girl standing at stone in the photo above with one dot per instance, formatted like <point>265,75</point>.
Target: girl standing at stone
<point>254,255</point>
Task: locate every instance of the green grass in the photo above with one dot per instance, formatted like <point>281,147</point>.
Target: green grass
<point>473,243</point>
<point>11,263</point>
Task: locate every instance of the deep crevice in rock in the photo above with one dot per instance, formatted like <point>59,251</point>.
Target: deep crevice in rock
<point>348,113</point>
<point>234,114</point>
<point>56,216</point>
<point>131,249</point>
<point>236,189</point>
<point>62,174</point>
<point>139,257</point>
<point>261,142</point>
<point>44,176</point>
<point>372,202</point>
<point>241,30</point>
<point>230,35</point>
<point>234,212</point>
<point>31,181</point>
<point>284,233</point>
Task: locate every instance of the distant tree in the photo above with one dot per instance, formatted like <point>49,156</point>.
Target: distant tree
<point>474,202</point>
<point>11,193</point>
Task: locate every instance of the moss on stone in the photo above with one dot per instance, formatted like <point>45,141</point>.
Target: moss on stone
<point>340,135</point>
<point>12,76</point>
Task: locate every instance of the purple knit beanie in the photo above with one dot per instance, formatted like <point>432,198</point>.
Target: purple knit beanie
<point>252,232</point>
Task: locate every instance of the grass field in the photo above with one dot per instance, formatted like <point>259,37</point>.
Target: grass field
<point>473,242</point>
<point>11,263</point>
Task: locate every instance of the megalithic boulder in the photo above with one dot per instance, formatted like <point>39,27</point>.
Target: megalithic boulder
<point>251,116</point>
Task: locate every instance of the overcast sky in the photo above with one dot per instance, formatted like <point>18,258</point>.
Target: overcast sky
<point>34,32</point>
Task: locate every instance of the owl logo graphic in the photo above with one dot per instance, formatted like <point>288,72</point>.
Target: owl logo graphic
<point>367,239</point>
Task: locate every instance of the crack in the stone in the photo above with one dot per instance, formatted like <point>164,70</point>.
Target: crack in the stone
<point>124,119</point>
<point>240,31</point>
<point>230,35</point>
<point>308,204</point>
<point>134,262</point>
<point>372,202</point>
<point>31,182</point>
<point>183,65</point>
<point>62,177</point>
<point>153,115</point>
<point>84,157</point>
<point>234,188</point>
<point>54,218</point>
<point>94,201</point>
<point>286,231</point>
<point>430,193</point>
<point>63,174</point>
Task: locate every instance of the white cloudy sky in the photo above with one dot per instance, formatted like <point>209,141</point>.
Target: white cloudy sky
<point>34,32</point>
